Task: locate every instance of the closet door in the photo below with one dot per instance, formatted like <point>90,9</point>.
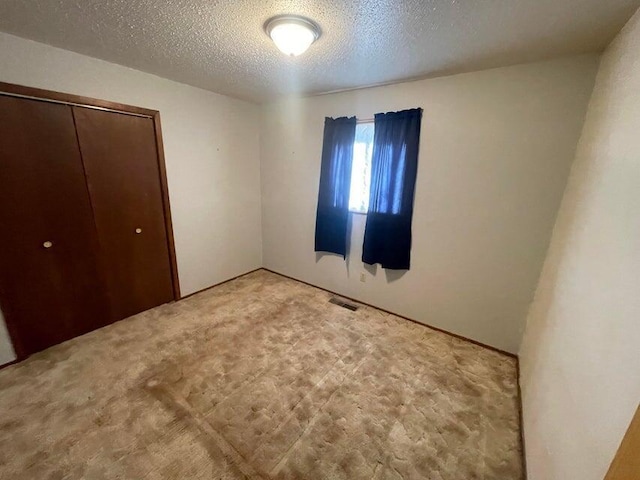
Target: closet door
<point>121,164</point>
<point>51,288</point>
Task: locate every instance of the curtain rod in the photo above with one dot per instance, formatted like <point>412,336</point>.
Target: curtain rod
<point>364,120</point>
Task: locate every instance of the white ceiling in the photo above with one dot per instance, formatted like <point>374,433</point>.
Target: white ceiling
<point>221,46</point>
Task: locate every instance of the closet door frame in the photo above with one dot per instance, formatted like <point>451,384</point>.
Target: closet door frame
<point>87,102</point>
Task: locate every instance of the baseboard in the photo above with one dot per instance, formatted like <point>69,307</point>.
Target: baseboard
<point>220,283</point>
<point>8,364</point>
<point>521,419</point>
<point>455,335</point>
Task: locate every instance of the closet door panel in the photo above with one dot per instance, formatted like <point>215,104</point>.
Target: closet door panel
<point>121,164</point>
<point>51,287</point>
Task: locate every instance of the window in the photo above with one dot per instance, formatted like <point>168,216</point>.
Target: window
<point>349,183</point>
<point>361,168</point>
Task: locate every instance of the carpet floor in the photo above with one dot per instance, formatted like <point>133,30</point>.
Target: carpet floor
<point>261,378</point>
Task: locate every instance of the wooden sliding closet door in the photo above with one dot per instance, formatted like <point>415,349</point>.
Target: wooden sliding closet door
<point>121,164</point>
<point>51,287</point>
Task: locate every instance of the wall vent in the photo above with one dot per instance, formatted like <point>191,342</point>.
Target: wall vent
<point>343,304</point>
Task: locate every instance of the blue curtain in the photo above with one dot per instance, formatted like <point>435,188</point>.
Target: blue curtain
<point>335,182</point>
<point>394,166</point>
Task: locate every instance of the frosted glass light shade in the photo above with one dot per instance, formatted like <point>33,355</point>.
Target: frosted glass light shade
<point>292,35</point>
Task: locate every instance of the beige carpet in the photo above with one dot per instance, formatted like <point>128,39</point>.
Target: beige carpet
<point>261,378</point>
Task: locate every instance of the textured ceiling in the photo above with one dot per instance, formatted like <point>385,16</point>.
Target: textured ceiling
<point>220,45</point>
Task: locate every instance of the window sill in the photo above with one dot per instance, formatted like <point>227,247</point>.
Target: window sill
<point>357,212</point>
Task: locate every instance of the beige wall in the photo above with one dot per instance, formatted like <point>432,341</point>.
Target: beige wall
<point>495,152</point>
<point>580,357</point>
<point>211,146</point>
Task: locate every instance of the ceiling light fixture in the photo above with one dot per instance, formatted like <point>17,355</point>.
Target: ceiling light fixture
<point>292,34</point>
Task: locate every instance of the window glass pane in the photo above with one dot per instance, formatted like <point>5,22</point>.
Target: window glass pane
<point>361,170</point>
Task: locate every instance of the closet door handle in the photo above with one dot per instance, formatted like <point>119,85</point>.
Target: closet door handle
<point>138,231</point>
<point>47,244</point>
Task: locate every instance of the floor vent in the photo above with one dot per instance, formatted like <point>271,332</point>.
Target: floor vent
<point>340,303</point>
